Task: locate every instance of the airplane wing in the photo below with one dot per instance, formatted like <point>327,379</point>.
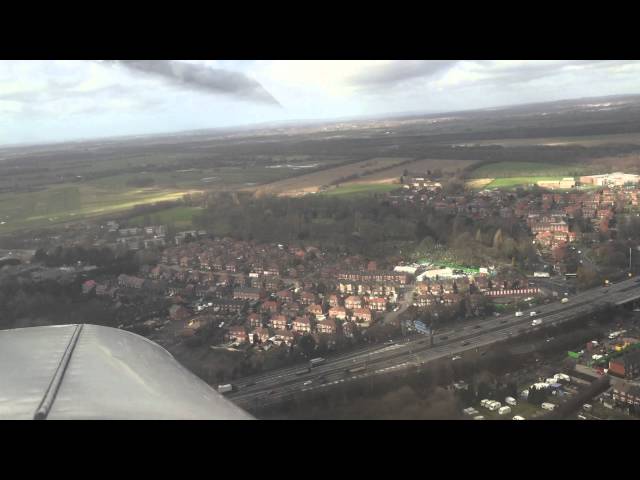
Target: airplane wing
<point>92,372</point>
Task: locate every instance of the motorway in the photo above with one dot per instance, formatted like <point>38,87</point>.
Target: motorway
<point>276,385</point>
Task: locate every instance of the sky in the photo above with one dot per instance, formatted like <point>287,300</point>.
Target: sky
<point>50,101</point>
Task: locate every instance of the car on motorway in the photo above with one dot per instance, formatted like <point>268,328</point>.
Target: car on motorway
<point>308,382</point>
<point>271,392</point>
<point>444,337</point>
<point>477,326</point>
<point>465,343</point>
<point>457,357</point>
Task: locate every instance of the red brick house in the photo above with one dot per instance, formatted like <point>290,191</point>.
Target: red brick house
<point>278,322</point>
<point>352,302</point>
<point>315,309</point>
<point>362,315</point>
<point>338,312</point>
<point>334,300</point>
<point>270,306</point>
<point>261,333</point>
<point>238,334</point>
<point>326,326</point>
<point>255,320</point>
<point>377,303</point>
<point>301,324</point>
<point>307,298</point>
<point>285,296</point>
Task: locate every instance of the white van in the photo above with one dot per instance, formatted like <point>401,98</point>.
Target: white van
<point>504,410</point>
<point>548,406</point>
<point>519,314</point>
<point>510,401</point>
<point>518,417</point>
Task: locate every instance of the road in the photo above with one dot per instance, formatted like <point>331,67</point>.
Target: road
<point>276,385</point>
<point>403,304</point>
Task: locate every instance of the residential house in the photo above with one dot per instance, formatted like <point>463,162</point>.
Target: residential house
<point>315,309</point>
<point>362,316</point>
<point>308,298</point>
<point>238,334</point>
<point>352,302</point>
<point>285,296</point>
<point>278,322</point>
<point>270,306</point>
<point>627,394</point>
<point>338,312</point>
<point>255,320</point>
<point>247,293</point>
<point>260,333</point>
<point>285,336</point>
<point>301,324</point>
<point>326,326</point>
<point>377,303</point>
<point>334,300</point>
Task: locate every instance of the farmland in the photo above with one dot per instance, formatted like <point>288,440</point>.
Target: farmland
<point>66,203</point>
<point>178,217</point>
<point>392,175</point>
<point>528,169</point>
<point>361,189</point>
<point>313,182</point>
<point>591,140</point>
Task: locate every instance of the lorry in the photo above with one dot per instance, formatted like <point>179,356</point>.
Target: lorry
<point>361,368</point>
<point>316,361</point>
<point>225,388</point>
<point>537,321</point>
<point>519,314</point>
<point>532,314</point>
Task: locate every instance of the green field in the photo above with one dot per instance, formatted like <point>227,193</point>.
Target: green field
<point>179,217</point>
<point>362,189</point>
<point>66,203</point>
<point>529,169</point>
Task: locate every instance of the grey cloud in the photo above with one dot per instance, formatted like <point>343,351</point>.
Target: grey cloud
<point>197,77</point>
<point>397,72</point>
<point>498,75</point>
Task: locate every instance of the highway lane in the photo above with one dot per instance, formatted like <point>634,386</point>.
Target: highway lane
<point>341,363</point>
<point>275,385</point>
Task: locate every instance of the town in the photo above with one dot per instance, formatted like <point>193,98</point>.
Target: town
<point>267,305</point>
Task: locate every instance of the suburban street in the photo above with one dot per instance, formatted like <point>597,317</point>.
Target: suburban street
<point>276,385</point>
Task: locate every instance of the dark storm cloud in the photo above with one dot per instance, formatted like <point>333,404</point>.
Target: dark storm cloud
<point>396,72</point>
<point>202,78</point>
